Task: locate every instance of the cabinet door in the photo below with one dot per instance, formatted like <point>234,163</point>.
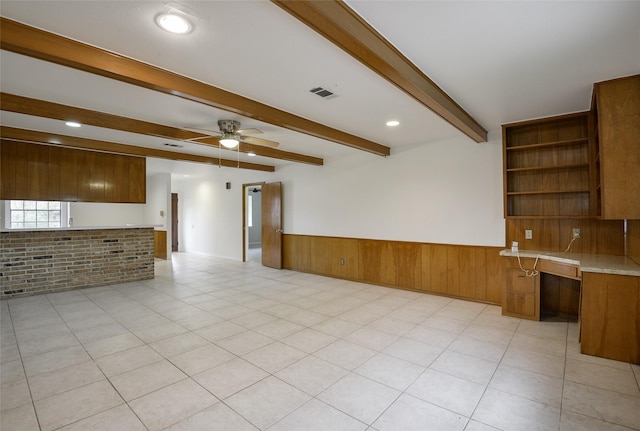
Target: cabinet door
<point>521,304</point>
<point>618,107</point>
<point>610,316</point>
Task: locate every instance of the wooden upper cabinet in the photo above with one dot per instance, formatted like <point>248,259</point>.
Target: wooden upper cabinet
<point>546,167</point>
<point>45,172</point>
<point>616,148</point>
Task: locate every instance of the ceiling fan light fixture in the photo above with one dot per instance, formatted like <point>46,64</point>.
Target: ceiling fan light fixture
<point>229,141</point>
<point>174,23</point>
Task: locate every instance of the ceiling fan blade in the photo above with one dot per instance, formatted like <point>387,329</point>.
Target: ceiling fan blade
<point>209,133</point>
<point>249,131</point>
<point>259,141</point>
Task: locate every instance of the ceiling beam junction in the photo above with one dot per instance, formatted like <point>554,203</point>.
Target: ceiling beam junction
<point>56,111</point>
<point>26,40</point>
<point>340,24</point>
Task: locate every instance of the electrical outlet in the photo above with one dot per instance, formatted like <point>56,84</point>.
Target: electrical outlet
<point>342,261</point>
<point>528,234</point>
<point>576,232</point>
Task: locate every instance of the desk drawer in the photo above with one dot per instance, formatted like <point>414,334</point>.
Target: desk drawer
<point>517,281</point>
<point>561,269</point>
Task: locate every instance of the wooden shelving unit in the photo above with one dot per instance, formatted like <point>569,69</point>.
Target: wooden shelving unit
<point>546,167</point>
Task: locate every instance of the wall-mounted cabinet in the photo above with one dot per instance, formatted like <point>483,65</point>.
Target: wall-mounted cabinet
<point>546,167</point>
<point>46,172</point>
<point>615,138</point>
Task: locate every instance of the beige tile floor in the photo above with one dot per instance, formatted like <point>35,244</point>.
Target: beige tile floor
<point>212,344</point>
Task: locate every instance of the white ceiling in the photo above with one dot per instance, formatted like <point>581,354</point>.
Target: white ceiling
<point>501,61</point>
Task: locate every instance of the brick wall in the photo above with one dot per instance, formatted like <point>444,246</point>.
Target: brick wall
<point>55,260</point>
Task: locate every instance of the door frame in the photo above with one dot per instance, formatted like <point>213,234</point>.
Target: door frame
<point>245,188</point>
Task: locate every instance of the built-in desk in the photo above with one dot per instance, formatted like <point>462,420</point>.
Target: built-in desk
<point>607,302</point>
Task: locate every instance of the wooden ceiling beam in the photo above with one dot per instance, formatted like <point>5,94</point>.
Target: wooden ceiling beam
<point>23,135</point>
<point>43,45</point>
<point>56,111</point>
<point>340,24</point>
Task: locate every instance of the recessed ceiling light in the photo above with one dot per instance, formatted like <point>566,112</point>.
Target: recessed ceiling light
<point>251,154</point>
<point>174,23</point>
<point>73,124</point>
<point>393,123</point>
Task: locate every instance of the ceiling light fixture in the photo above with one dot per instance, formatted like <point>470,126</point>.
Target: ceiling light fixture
<point>393,123</point>
<point>73,124</point>
<point>251,154</point>
<point>174,23</point>
<point>229,140</point>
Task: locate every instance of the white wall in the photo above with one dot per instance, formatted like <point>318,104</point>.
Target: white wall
<point>444,192</point>
<point>157,211</point>
<point>210,215</point>
<point>101,214</point>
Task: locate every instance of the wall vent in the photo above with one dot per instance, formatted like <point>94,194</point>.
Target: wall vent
<point>166,144</point>
<point>323,92</point>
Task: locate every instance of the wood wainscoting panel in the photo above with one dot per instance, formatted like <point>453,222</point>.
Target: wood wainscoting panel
<point>439,268</point>
<point>461,271</point>
<point>342,258</point>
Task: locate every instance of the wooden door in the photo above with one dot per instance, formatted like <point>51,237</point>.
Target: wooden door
<point>272,225</point>
<point>174,222</point>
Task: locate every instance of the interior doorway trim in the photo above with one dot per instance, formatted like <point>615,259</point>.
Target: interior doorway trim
<point>245,188</point>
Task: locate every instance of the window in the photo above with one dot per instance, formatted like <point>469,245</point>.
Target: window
<point>36,214</point>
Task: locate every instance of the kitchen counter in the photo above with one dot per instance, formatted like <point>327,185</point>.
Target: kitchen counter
<point>40,229</point>
<point>597,263</point>
<point>50,260</point>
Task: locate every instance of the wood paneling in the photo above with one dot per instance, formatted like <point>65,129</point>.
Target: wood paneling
<point>160,244</point>
<point>610,325</point>
<point>439,269</point>
<point>47,172</point>
<point>597,236</point>
<point>453,270</point>
<point>13,158</point>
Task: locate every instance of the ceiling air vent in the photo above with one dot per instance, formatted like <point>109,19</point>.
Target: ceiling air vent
<point>166,144</point>
<point>323,92</point>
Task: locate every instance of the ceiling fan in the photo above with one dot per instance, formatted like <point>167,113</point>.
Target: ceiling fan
<point>231,135</point>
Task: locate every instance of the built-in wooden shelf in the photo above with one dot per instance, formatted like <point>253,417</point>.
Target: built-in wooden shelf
<point>541,168</point>
<point>546,167</point>
<point>549,144</point>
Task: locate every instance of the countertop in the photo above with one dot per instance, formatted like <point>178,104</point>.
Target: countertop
<point>601,263</point>
<point>80,228</point>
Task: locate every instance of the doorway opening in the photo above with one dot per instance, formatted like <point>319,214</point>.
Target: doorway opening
<point>252,223</point>
<point>174,222</point>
